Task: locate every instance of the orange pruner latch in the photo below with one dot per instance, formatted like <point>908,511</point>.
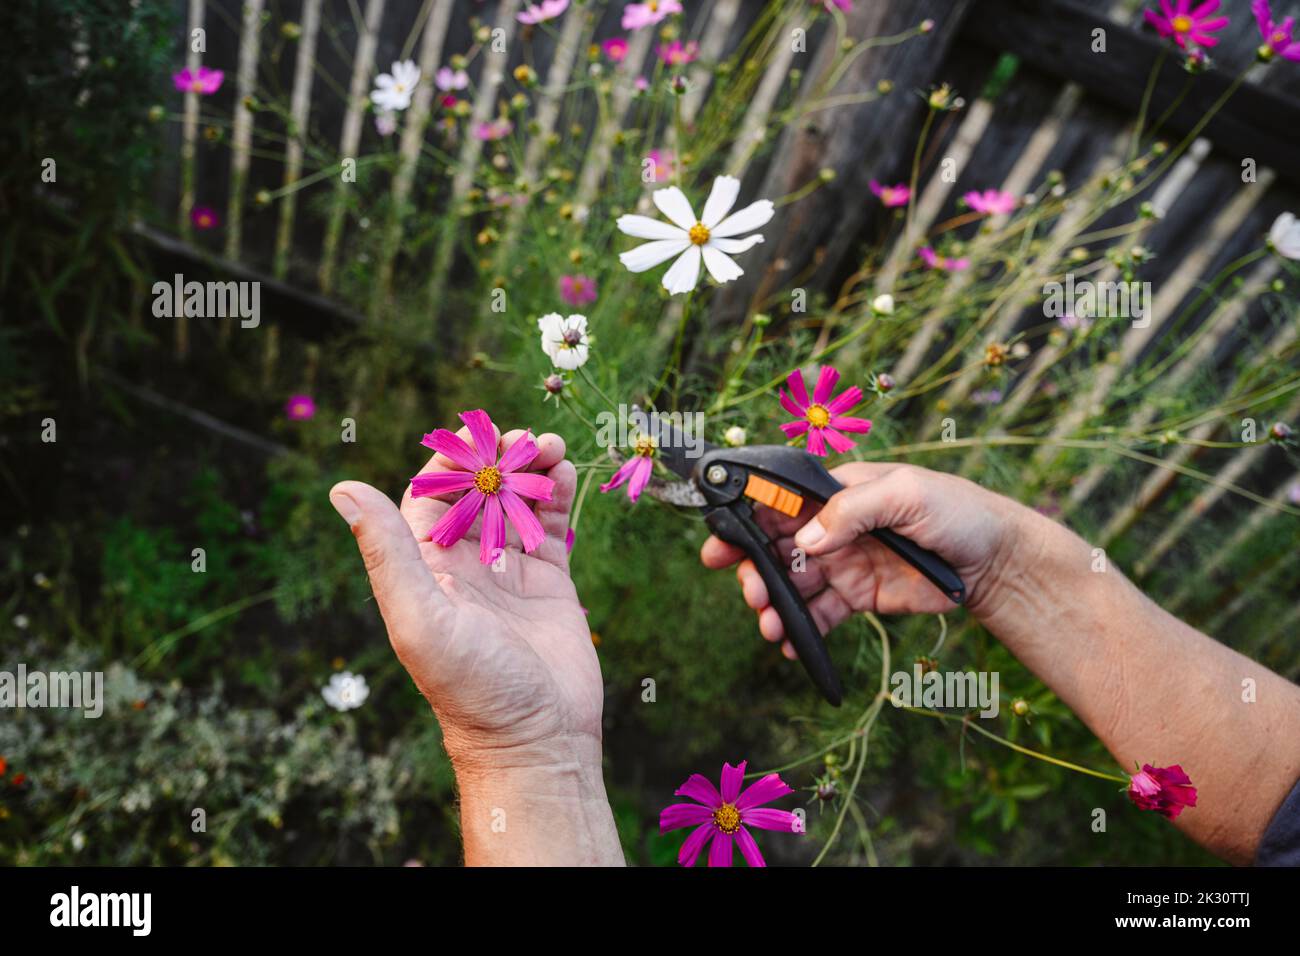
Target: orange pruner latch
<point>773,495</point>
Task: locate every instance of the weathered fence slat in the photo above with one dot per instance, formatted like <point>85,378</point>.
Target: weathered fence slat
<point>299,110</point>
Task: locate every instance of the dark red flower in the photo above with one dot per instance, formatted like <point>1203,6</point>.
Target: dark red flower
<point>1166,790</point>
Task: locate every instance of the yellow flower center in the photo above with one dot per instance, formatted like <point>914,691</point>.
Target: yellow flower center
<point>818,416</point>
<point>488,480</point>
<point>726,818</point>
<point>652,6</point>
<point>400,87</point>
<point>699,234</point>
<point>645,446</point>
<point>1181,24</point>
<point>1279,37</point>
<point>197,86</point>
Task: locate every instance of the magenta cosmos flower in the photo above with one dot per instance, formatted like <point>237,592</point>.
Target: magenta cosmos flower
<point>822,419</point>
<point>203,217</point>
<point>943,263</point>
<point>1279,38</point>
<point>678,53</point>
<point>991,202</point>
<point>495,488</point>
<point>577,290</point>
<point>205,81</point>
<point>1166,790</point>
<point>635,472</point>
<point>494,130</point>
<point>725,818</point>
<point>1180,20</point>
<point>615,49</point>
<point>892,196</point>
<point>638,15</point>
<point>300,408</point>
<point>541,12</point>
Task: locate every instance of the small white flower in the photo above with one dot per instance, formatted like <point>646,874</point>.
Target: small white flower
<point>393,90</point>
<point>564,340</point>
<point>1284,237</point>
<point>883,304</point>
<point>734,436</point>
<point>709,237</point>
<point>345,691</point>
<point>22,621</point>
<point>78,841</point>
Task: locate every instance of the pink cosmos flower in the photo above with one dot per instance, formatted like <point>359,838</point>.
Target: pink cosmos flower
<point>299,408</point>
<point>577,290</point>
<point>678,53</point>
<point>541,12</point>
<point>495,488</point>
<point>725,818</point>
<point>638,15</point>
<point>823,418</point>
<point>635,472</point>
<point>936,261</point>
<point>1278,37</point>
<point>494,130</point>
<point>1166,790</point>
<point>448,79</point>
<point>641,84</point>
<point>662,167</point>
<point>892,196</point>
<point>1178,19</point>
<point>204,82</point>
<point>203,217</point>
<point>991,202</point>
<point>615,49</point>
<point>845,5</point>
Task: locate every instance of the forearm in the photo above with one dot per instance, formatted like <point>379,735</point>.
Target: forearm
<point>1153,689</point>
<point>540,809</point>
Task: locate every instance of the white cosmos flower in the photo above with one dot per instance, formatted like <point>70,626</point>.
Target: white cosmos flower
<point>1285,236</point>
<point>564,340</point>
<point>393,90</point>
<point>709,236</point>
<point>345,691</point>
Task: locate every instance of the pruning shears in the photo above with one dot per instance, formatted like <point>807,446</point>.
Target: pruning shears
<point>726,483</point>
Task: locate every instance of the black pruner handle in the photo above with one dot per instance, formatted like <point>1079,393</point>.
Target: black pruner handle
<point>803,472</point>
<point>735,525</point>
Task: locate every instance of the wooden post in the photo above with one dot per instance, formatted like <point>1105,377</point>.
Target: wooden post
<point>299,112</point>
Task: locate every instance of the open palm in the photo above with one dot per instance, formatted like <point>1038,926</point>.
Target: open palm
<point>502,651</point>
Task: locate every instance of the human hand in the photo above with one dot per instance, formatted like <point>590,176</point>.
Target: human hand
<point>849,571</point>
<point>502,652</point>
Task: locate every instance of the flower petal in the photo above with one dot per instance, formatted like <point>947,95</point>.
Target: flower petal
<point>844,400</point>
<point>747,220</point>
<point>826,380</point>
<point>519,455</point>
<point>721,198</point>
<point>640,477</point>
<point>458,519</point>
<point>838,442</point>
<point>528,484</point>
<point>684,273</point>
<point>720,265</point>
<point>791,429</point>
<point>643,227</point>
<point>522,517</point>
<point>434,483</point>
<point>651,254</point>
<point>734,247</point>
<point>720,853</point>
<point>701,788</point>
<point>672,202</point>
<point>816,442</point>
<point>690,851</point>
<point>492,536</point>
<point>683,815</point>
<point>748,848</point>
<point>620,476</point>
<point>797,388</point>
<point>767,818</point>
<point>769,788</point>
<point>845,424</point>
<point>732,780</point>
<point>451,445</point>
<point>789,404</point>
<point>484,435</point>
